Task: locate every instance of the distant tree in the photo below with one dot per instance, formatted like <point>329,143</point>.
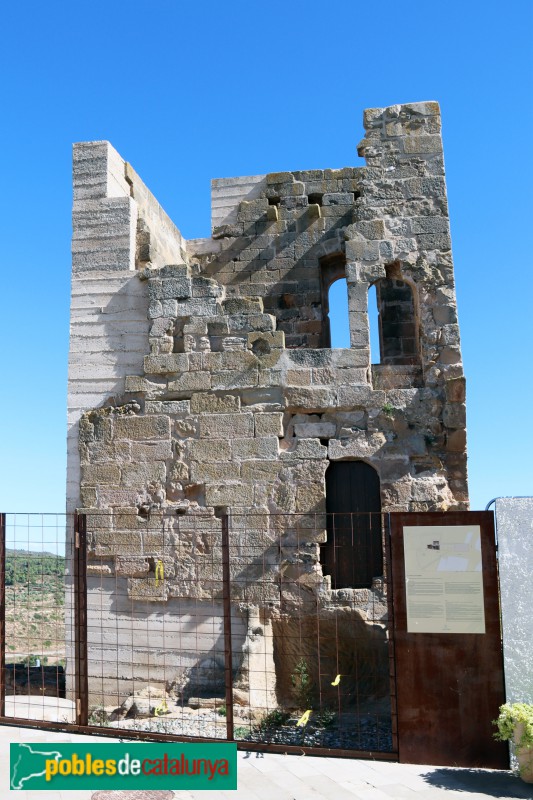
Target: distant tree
<point>33,569</point>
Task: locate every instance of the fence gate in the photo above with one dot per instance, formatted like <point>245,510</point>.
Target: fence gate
<point>197,627</point>
<point>206,627</point>
<point>447,639</point>
<point>37,624</point>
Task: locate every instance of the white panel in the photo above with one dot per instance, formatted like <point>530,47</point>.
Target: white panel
<point>514,522</point>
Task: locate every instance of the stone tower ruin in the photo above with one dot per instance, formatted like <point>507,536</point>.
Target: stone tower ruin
<point>202,379</point>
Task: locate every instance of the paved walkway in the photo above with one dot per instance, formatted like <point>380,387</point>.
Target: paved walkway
<point>278,777</point>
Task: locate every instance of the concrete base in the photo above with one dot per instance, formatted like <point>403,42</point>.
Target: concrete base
<point>45,709</point>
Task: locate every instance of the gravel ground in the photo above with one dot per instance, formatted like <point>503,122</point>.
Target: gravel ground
<point>348,732</point>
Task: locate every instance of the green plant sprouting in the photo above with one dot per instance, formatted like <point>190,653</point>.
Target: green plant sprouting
<point>302,685</point>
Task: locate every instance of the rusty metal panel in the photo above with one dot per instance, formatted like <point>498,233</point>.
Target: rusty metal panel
<point>387,572</point>
<point>449,685</point>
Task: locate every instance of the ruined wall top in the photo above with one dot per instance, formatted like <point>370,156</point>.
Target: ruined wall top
<point>219,348</point>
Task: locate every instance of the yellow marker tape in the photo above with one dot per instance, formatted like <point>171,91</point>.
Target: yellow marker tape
<point>304,719</point>
<point>336,681</point>
<point>161,709</point>
<point>159,572</point>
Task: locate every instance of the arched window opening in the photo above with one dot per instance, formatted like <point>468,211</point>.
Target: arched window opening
<point>334,294</point>
<point>353,552</point>
<point>396,322</point>
<point>373,322</point>
<point>339,320</point>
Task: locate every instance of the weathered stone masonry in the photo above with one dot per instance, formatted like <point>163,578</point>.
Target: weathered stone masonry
<point>201,374</point>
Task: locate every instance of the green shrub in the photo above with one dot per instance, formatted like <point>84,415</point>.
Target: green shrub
<point>325,718</point>
<point>275,718</point>
<point>32,659</point>
<point>512,715</point>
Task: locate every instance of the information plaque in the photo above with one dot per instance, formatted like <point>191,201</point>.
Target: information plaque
<point>444,579</point>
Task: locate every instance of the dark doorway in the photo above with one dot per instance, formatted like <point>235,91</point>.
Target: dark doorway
<point>353,553</point>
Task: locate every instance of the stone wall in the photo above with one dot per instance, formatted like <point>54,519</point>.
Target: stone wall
<point>200,379</point>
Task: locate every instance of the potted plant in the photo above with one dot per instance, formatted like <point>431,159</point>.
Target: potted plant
<point>515,724</point>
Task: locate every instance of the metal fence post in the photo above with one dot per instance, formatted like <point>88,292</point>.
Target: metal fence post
<point>389,588</point>
<point>228,654</point>
<point>80,618</point>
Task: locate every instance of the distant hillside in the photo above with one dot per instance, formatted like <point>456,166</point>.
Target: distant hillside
<point>27,567</point>
<point>35,605</point>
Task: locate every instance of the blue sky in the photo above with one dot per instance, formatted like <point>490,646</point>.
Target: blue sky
<point>191,91</point>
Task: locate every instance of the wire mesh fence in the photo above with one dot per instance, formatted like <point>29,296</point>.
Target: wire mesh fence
<point>202,626</point>
<point>35,601</point>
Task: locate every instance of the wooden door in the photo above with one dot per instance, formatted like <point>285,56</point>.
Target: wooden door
<point>353,553</point>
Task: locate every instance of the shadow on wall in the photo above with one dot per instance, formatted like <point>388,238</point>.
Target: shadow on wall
<point>334,642</point>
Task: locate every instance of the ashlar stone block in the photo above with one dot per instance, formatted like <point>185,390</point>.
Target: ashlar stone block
<point>179,407</point>
<point>269,424</point>
<point>108,474</point>
<point>140,428</point>
<point>214,404</point>
<point>132,566</point>
<point>360,445</point>
<point>310,399</point>
<point>209,472</point>
<point>306,449</point>
<point>320,430</point>
<point>210,450</point>
<point>229,494</point>
<point>258,470</point>
<point>226,425</point>
<point>143,473</point>
<point>163,364</point>
<point>111,543</point>
<point>262,447</point>
<point>147,589</point>
<point>234,379</point>
<point>190,382</point>
<point>311,497</point>
<point>454,415</point>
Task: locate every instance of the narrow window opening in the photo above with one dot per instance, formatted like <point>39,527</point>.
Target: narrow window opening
<point>373,322</point>
<point>392,319</point>
<point>315,198</point>
<point>339,318</point>
<point>334,294</point>
<point>274,201</point>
